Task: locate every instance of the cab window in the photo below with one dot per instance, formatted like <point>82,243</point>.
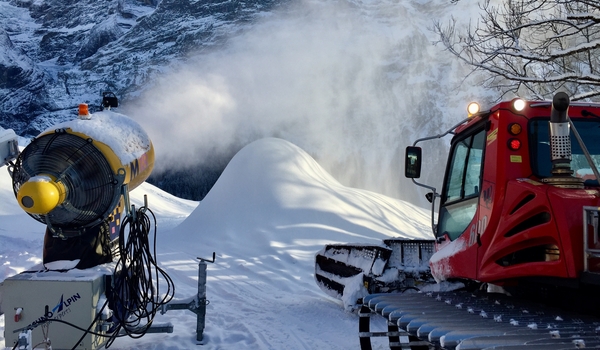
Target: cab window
<point>539,144</point>
<point>462,186</point>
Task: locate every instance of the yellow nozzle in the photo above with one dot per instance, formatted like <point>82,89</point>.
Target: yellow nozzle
<point>40,195</point>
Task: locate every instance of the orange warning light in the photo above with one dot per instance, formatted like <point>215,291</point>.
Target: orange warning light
<point>83,110</point>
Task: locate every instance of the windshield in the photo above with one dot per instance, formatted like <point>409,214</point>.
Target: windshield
<point>589,130</point>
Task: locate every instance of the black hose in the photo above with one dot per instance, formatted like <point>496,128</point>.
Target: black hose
<point>89,329</point>
<point>136,298</point>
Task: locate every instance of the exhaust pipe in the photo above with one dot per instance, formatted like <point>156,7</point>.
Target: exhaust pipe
<point>560,145</point>
<point>560,141</point>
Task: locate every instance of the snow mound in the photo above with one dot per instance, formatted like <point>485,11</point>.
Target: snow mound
<point>274,193</point>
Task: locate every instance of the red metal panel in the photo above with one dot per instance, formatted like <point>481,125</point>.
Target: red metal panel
<point>517,213</point>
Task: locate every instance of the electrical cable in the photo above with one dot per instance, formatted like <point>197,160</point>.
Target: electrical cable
<point>88,330</point>
<point>71,325</point>
<point>136,298</point>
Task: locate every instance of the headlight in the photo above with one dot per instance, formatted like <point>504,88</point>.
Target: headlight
<point>473,108</point>
<point>519,105</point>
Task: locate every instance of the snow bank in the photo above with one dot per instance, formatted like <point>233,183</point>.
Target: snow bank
<point>273,193</point>
<point>268,214</point>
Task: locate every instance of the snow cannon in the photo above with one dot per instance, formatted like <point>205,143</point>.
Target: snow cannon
<point>75,178</point>
<point>72,176</point>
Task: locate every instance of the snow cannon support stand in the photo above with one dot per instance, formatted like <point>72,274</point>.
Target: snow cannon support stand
<point>196,304</point>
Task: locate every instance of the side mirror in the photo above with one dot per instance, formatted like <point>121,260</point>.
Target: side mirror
<point>412,168</point>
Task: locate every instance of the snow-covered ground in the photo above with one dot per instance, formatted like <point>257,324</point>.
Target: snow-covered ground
<point>272,209</point>
<point>343,86</point>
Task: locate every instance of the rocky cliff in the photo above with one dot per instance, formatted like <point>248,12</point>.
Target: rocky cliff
<point>55,54</point>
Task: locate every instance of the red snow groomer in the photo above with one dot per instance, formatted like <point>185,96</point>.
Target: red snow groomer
<point>518,209</point>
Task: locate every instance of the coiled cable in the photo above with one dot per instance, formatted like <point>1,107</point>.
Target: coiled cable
<point>136,294</point>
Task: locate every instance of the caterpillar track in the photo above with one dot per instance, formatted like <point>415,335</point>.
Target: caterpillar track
<point>470,321</point>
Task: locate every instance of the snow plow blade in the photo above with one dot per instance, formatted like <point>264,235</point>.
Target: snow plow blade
<point>350,271</point>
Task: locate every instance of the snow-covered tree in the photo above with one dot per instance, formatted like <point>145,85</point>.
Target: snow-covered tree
<point>532,48</point>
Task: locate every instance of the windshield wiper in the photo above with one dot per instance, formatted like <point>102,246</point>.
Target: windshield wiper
<point>587,113</point>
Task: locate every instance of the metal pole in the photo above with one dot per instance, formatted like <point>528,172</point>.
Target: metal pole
<point>201,313</point>
<point>201,298</point>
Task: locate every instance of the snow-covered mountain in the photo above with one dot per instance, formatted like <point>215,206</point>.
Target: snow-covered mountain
<point>56,54</point>
<point>352,82</point>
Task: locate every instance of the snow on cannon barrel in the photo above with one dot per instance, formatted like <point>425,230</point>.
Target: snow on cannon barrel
<point>75,177</point>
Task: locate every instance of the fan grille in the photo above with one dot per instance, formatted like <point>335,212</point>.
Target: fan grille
<point>92,187</point>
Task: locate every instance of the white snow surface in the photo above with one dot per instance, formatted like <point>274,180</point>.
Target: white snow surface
<point>122,134</point>
<point>268,214</point>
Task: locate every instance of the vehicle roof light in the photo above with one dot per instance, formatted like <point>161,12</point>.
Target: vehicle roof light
<point>519,104</point>
<point>473,108</point>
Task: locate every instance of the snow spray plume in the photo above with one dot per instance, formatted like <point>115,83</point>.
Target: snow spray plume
<point>351,84</point>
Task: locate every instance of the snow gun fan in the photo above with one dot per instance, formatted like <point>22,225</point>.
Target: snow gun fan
<point>64,181</point>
